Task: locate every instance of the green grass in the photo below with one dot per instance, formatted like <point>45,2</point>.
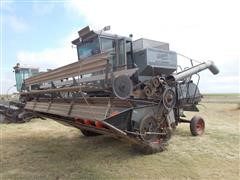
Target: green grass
<point>44,149</point>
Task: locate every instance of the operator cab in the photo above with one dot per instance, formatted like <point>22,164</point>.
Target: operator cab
<point>22,73</point>
<point>91,43</point>
<point>149,56</point>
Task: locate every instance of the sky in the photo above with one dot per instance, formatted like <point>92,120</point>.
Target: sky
<point>39,33</point>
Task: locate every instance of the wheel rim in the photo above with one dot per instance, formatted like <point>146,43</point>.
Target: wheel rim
<point>200,126</point>
<point>148,125</point>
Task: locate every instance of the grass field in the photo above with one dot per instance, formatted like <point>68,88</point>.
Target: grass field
<point>222,98</point>
<point>44,149</point>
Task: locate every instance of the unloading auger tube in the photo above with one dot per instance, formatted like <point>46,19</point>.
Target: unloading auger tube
<point>194,70</point>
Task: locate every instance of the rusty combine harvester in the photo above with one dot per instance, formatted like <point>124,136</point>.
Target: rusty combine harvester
<point>127,89</point>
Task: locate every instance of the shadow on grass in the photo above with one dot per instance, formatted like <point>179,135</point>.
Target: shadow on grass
<point>74,146</point>
<point>78,156</point>
<point>78,145</point>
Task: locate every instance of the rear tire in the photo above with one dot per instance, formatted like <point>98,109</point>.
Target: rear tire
<point>197,126</point>
<point>89,133</point>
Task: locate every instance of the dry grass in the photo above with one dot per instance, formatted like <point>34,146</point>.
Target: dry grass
<point>48,150</point>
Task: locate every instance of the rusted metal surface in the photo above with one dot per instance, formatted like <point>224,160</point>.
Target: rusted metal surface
<point>94,108</point>
<point>81,87</point>
<point>64,89</point>
<point>89,65</point>
<point>108,129</point>
<point>13,112</point>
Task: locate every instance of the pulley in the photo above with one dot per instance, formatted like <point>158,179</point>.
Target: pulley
<point>122,86</point>
<point>156,82</point>
<point>148,90</point>
<point>169,98</point>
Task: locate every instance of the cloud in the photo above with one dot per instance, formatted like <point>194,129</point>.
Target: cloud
<point>7,6</point>
<point>203,30</point>
<point>40,8</point>
<point>7,81</point>
<point>10,19</point>
<point>196,28</point>
<point>220,84</point>
<point>222,79</point>
<point>43,59</point>
<point>16,23</point>
<point>65,40</point>
<point>48,58</point>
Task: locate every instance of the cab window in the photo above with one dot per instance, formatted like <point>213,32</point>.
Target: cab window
<point>107,44</point>
<point>88,48</point>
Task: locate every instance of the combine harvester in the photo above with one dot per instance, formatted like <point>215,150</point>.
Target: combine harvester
<point>127,89</point>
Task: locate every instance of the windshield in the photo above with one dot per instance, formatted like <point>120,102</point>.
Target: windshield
<point>88,48</point>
